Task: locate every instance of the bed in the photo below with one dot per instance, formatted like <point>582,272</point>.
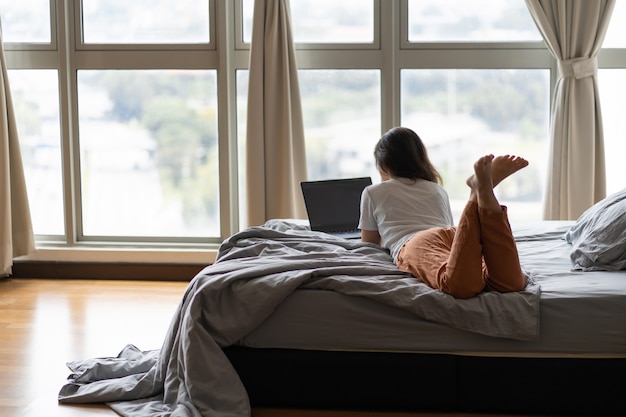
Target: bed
<point>287,317</point>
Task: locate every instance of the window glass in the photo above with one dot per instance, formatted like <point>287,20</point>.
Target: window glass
<point>25,21</point>
<point>616,33</point>
<point>242,122</point>
<point>145,21</point>
<point>324,21</point>
<point>148,152</point>
<point>463,114</point>
<point>341,112</point>
<point>35,96</point>
<point>470,21</point>
<point>612,91</point>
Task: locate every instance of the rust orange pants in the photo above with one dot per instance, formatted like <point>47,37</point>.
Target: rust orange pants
<point>478,255</point>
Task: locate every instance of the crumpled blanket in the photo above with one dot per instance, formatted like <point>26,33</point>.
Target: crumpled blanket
<point>254,271</point>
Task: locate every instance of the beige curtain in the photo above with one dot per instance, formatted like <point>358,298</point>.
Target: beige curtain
<point>574,31</point>
<point>275,151</point>
<point>16,231</point>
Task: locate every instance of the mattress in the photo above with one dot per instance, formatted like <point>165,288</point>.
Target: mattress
<point>582,314</point>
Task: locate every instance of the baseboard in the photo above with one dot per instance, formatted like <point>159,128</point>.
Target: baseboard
<point>105,270</point>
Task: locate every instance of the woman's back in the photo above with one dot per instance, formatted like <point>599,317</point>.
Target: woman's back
<point>399,207</point>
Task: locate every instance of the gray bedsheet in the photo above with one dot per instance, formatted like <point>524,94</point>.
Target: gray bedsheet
<point>255,270</point>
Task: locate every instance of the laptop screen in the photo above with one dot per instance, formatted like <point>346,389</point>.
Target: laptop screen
<point>334,205</point>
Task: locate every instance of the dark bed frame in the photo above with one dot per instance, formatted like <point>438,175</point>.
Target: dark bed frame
<point>286,378</point>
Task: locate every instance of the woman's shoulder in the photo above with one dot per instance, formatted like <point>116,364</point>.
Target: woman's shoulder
<point>403,186</point>
<point>383,186</point>
<point>419,184</point>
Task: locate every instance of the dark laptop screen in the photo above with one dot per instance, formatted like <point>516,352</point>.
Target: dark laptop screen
<point>334,205</point>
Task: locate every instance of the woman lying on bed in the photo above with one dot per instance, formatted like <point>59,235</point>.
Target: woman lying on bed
<point>409,214</point>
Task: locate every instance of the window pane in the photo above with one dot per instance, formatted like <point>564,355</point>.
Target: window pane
<point>148,153</point>
<point>146,21</point>
<point>463,114</point>
<point>616,33</point>
<point>36,102</point>
<point>341,111</point>
<point>242,123</point>
<point>612,90</point>
<point>470,21</point>
<point>25,21</point>
<point>324,21</point>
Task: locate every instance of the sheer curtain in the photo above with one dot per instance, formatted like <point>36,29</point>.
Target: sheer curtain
<point>276,161</point>
<point>574,31</point>
<point>16,230</point>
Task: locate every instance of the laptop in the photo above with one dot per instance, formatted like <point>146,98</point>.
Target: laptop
<point>334,206</point>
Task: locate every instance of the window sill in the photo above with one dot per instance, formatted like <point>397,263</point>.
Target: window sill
<point>121,255</point>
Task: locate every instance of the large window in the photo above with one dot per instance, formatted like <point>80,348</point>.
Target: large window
<point>117,112</point>
<point>132,114</point>
<point>148,152</point>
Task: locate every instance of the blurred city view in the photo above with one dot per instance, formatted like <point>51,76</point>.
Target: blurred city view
<point>147,140</point>
<point>148,151</point>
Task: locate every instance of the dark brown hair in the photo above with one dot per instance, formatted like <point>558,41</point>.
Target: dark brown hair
<point>401,153</point>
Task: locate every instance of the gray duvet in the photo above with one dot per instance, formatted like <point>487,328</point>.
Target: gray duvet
<point>255,270</point>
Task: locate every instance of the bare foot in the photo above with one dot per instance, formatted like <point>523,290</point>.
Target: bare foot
<point>481,184</point>
<point>505,165</point>
<point>482,173</point>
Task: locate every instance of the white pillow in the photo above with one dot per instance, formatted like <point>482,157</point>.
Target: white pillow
<point>598,237</point>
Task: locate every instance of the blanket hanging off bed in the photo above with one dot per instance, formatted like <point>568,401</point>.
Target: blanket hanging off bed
<point>255,271</point>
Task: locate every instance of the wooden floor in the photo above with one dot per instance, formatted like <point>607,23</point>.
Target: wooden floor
<point>45,323</point>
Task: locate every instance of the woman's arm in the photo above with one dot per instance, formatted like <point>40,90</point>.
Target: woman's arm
<point>371,236</point>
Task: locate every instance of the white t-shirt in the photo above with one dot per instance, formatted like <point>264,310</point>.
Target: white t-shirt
<point>399,207</point>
